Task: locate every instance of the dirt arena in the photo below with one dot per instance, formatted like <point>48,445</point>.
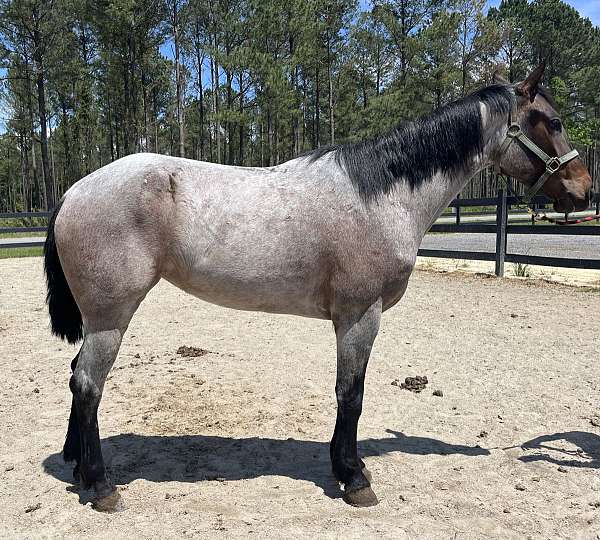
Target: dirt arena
<point>234,443</point>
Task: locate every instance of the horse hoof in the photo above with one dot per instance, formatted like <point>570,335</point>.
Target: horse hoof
<point>108,503</point>
<point>367,474</point>
<point>361,497</point>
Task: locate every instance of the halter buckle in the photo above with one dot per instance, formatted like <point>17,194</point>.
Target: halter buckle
<point>553,165</point>
<point>513,130</point>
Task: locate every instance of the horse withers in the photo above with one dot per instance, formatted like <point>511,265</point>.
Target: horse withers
<point>331,235</point>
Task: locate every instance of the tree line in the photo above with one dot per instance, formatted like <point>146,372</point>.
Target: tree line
<point>257,82</point>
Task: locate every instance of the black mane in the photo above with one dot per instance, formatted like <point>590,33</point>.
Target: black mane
<point>415,151</point>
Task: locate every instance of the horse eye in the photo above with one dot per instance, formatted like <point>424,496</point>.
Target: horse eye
<point>556,124</point>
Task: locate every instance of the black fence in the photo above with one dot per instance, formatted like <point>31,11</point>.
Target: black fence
<point>33,230</point>
<point>500,227</point>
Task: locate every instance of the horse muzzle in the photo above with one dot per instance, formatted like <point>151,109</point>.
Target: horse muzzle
<point>572,202</point>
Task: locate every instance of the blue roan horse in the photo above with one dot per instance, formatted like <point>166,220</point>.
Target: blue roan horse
<point>332,235</point>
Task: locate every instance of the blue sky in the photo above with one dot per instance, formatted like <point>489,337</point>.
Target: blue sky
<point>587,8</point>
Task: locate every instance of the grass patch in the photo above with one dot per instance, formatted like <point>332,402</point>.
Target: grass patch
<point>22,235</point>
<point>13,253</point>
<point>24,222</point>
<point>521,270</point>
<point>463,209</point>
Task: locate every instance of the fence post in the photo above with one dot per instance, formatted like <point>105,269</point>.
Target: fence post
<point>501,220</point>
<point>457,208</point>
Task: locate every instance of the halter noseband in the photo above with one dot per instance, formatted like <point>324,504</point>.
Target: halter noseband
<point>553,164</point>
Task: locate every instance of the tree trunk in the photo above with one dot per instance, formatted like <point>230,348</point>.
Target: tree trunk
<point>241,126</point>
<point>200,60</point>
<point>214,73</point>
<point>330,81</point>
<point>229,126</point>
<point>317,129</point>
<point>125,117</point>
<point>34,169</point>
<point>178,79</point>
<point>65,141</point>
<point>25,180</point>
<point>155,119</point>
<point>145,147</point>
<point>41,94</point>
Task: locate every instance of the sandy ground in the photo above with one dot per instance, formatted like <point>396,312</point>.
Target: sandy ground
<point>567,276</point>
<point>235,443</point>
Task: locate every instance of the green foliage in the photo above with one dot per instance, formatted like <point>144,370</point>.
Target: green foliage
<point>521,270</point>
<point>584,133</point>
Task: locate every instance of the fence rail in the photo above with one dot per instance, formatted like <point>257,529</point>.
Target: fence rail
<point>501,228</point>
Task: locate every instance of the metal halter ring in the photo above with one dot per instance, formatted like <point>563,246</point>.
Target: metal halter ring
<point>513,130</point>
<point>553,165</point>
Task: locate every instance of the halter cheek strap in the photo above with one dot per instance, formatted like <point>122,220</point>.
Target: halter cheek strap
<point>553,164</point>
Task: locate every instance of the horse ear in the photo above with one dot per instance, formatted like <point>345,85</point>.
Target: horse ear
<point>529,87</point>
<point>497,77</point>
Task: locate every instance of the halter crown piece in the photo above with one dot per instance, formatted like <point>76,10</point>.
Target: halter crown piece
<point>553,164</point>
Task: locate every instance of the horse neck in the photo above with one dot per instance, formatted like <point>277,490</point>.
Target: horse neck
<point>425,203</point>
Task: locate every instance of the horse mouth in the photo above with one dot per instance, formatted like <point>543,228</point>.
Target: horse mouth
<point>570,203</point>
<point>564,206</point>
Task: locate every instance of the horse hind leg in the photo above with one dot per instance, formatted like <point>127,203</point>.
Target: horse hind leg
<point>96,357</point>
<point>102,340</point>
<point>72,447</point>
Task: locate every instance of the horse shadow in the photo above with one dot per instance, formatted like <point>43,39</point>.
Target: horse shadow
<point>192,458</point>
<point>587,455</point>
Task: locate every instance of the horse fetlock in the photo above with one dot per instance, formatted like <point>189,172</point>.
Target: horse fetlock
<point>93,475</point>
<point>357,481</point>
<point>351,474</point>
<point>339,475</point>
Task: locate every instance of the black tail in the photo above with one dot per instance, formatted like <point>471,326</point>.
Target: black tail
<point>65,316</point>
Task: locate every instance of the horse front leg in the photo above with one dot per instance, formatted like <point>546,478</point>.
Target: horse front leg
<point>355,331</point>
